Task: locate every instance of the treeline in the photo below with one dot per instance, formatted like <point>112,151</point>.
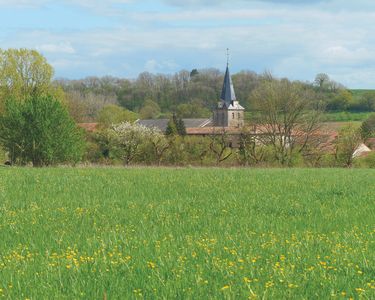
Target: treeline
<point>191,94</point>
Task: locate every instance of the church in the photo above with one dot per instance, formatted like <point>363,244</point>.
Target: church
<point>228,115</point>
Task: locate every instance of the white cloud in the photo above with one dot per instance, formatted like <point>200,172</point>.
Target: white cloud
<point>56,48</point>
<point>295,42</point>
<point>154,66</point>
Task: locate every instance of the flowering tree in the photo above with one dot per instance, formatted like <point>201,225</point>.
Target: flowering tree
<point>128,138</point>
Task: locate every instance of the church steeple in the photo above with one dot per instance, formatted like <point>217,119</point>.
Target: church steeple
<point>229,113</point>
<point>227,94</point>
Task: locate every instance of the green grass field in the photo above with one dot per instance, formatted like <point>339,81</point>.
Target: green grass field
<point>346,116</point>
<point>187,234</point>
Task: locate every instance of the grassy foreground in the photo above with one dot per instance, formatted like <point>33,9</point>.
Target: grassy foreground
<point>187,233</point>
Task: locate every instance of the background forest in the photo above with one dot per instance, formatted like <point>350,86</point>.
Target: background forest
<point>194,94</point>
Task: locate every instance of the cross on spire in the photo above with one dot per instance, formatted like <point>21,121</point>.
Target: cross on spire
<point>228,56</point>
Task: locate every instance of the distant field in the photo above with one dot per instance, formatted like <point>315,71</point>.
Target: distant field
<point>333,116</point>
<point>346,116</point>
<point>359,92</point>
<point>187,233</point>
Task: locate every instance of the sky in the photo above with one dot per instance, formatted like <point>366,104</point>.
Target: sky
<point>290,38</point>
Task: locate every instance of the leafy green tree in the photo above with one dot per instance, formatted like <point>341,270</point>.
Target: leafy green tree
<point>171,128</point>
<point>194,109</point>
<point>368,101</point>
<point>150,110</point>
<point>368,127</point>
<point>114,114</point>
<point>105,140</point>
<point>40,131</point>
<point>180,125</point>
<point>24,73</point>
<point>175,126</point>
<point>341,101</point>
<point>197,149</point>
<point>194,72</point>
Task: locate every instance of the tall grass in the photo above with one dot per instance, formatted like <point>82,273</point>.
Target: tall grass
<point>187,233</point>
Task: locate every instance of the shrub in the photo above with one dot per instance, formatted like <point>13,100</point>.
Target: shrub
<point>365,162</point>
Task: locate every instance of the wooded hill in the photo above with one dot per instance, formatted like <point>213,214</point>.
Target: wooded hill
<point>192,94</point>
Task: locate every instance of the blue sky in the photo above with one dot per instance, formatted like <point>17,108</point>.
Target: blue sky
<point>290,38</point>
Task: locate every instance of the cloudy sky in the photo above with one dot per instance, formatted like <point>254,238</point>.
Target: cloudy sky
<point>291,38</point>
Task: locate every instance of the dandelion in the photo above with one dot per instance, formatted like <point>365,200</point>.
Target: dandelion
<point>225,287</point>
<point>247,280</point>
<point>151,265</point>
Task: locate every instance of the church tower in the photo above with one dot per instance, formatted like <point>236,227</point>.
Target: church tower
<point>229,113</point>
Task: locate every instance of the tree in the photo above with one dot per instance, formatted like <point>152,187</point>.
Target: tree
<point>341,101</point>
<point>171,128</point>
<point>159,143</point>
<point>368,128</point>
<point>251,150</point>
<point>348,141</point>
<point>105,140</point>
<point>194,72</point>
<point>128,139</point>
<point>180,125</point>
<point>288,118</point>
<point>24,73</point>
<point>220,146</point>
<point>40,130</point>
<point>368,101</point>
<point>175,126</point>
<point>150,110</point>
<point>194,109</point>
<point>197,148</point>
<point>322,80</point>
<point>114,114</point>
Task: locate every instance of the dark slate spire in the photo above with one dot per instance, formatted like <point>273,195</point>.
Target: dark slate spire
<point>227,94</point>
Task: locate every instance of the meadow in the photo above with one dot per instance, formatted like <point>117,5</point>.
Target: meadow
<point>143,233</point>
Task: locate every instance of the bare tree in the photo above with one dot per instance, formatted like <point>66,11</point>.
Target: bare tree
<point>289,118</point>
<point>220,146</point>
<point>251,150</point>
